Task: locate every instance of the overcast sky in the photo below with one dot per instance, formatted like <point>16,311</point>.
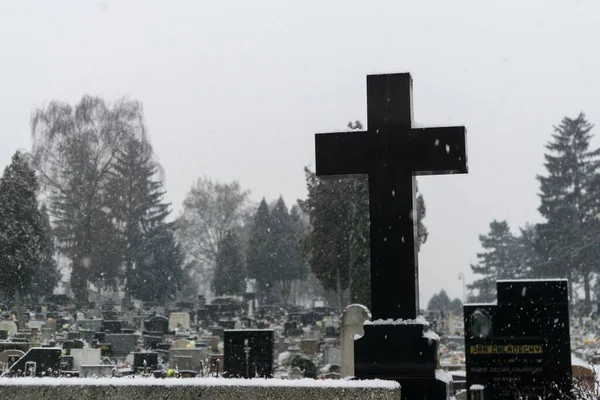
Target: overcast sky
<point>236,90</point>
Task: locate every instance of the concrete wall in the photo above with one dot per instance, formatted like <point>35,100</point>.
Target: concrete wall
<point>202,388</point>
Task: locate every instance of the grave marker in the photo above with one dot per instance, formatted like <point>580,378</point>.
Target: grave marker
<point>522,344</point>
<point>391,152</point>
<point>248,353</point>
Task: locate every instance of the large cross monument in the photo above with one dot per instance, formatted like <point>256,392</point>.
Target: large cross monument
<point>391,153</point>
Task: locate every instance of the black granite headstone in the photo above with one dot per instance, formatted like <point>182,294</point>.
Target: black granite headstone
<point>391,153</point>
<point>248,353</point>
<point>145,360</point>
<point>43,358</point>
<point>521,345</point>
<point>112,326</point>
<point>157,324</point>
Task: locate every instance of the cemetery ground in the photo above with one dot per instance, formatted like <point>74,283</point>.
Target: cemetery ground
<point>220,340</point>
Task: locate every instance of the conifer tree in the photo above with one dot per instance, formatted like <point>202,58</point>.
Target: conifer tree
<point>22,235</point>
<point>157,273</point>
<point>46,276</point>
<point>135,195</point>
<point>569,203</point>
<point>229,277</point>
<point>499,260</point>
<point>283,250</point>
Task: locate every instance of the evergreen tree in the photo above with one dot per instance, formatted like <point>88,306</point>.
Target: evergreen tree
<point>329,207</point>
<point>257,254</point>
<point>157,273</point>
<point>22,234</point>
<point>499,260</point>
<point>439,302</point>
<point>569,203</point>
<point>360,263</point>
<point>532,262</point>
<point>135,196</point>
<point>284,252</point>
<point>229,277</point>
<point>46,276</point>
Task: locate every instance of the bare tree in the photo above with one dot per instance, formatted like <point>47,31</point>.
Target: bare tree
<point>74,151</point>
<point>210,209</point>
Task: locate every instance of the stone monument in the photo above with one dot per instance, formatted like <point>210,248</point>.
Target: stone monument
<point>520,347</point>
<point>353,319</point>
<point>391,152</point>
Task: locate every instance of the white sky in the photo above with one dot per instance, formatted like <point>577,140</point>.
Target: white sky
<point>237,89</point>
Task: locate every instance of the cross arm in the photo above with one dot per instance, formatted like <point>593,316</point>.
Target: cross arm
<point>344,153</point>
<point>437,151</point>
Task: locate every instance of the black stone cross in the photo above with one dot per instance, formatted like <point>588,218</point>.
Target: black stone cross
<point>391,153</point>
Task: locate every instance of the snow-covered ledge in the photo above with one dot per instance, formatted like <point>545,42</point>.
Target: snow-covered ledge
<point>194,388</point>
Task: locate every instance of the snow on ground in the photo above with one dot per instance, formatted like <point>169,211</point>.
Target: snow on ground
<point>327,383</point>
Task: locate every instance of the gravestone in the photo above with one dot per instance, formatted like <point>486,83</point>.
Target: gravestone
<point>391,153</point>
<point>179,320</point>
<point>90,324</point>
<point>122,343</point>
<point>521,345</point>
<point>333,355</point>
<point>248,353</point>
<point>180,344</point>
<point>157,325</point>
<point>85,356</point>
<point>9,326</point>
<point>197,356</point>
<point>145,361</point>
<point>353,319</point>
<point>112,326</point>
<point>310,347</point>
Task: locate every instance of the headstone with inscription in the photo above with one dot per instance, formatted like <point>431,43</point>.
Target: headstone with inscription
<point>248,353</point>
<point>521,345</point>
<point>391,152</point>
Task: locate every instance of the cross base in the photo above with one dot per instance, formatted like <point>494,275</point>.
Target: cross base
<point>401,353</point>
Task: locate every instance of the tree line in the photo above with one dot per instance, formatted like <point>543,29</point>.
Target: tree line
<point>90,194</point>
<point>566,243</point>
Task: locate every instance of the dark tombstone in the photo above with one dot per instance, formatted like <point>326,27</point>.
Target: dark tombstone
<point>73,335</point>
<point>67,346</point>
<point>520,347</point>
<point>112,326</point>
<point>122,344</point>
<point>157,325</point>
<point>331,332</point>
<point>391,153</point>
<point>289,327</point>
<point>66,363</point>
<point>248,353</point>
<point>145,361</point>
<point>43,358</point>
<point>3,335</point>
<point>227,323</point>
<point>163,346</point>
<point>110,315</point>
<point>106,349</point>
<point>152,342</point>
<point>99,337</point>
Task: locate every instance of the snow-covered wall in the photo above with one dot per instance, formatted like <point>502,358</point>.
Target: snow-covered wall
<point>200,388</point>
